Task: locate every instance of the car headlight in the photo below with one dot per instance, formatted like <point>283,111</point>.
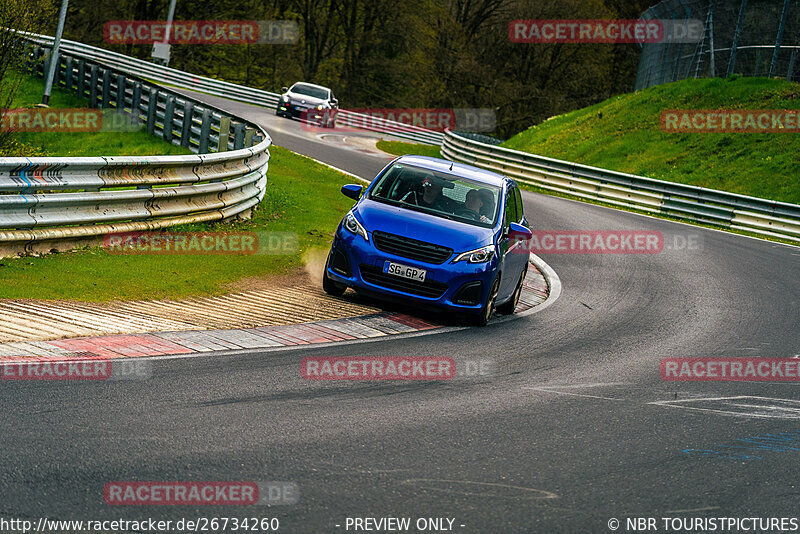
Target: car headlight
<point>285,98</point>
<point>479,255</point>
<point>320,107</point>
<point>353,226</point>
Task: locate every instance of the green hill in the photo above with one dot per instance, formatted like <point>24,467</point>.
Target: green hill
<point>624,134</point>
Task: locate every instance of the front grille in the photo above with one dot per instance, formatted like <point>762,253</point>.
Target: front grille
<point>411,248</point>
<point>375,275</point>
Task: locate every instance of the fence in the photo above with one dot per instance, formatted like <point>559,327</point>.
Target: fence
<point>747,37</point>
<point>58,203</point>
<point>697,204</point>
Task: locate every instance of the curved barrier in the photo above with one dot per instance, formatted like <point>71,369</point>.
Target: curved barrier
<point>231,91</point>
<point>57,203</point>
<point>759,216</point>
<point>698,204</point>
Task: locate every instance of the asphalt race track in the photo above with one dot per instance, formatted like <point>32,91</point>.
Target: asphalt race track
<point>573,427</point>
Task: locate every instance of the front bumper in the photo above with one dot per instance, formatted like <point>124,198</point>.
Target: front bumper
<point>300,112</point>
<point>464,286</point>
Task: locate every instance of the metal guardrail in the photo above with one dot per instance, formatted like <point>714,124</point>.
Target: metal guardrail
<point>231,91</point>
<point>57,203</point>
<point>759,216</point>
<point>697,204</point>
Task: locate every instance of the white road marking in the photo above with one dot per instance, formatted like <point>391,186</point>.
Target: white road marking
<point>778,411</point>
<point>416,481</point>
<point>547,390</point>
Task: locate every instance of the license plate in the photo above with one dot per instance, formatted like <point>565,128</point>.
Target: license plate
<point>404,271</point>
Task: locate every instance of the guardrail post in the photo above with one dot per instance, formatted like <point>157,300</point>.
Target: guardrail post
<point>120,92</point>
<point>152,107</point>
<point>169,113</point>
<point>106,96</point>
<point>205,131</point>
<point>68,74</point>
<point>81,78</point>
<point>790,72</point>
<point>248,137</point>
<point>224,133</point>
<point>93,87</point>
<point>136,100</point>
<point>186,127</point>
<point>238,136</point>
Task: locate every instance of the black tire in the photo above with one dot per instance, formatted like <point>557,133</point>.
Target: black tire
<point>330,287</point>
<point>507,308</point>
<point>483,318</point>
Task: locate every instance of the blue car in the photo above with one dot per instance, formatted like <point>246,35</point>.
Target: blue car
<point>435,233</point>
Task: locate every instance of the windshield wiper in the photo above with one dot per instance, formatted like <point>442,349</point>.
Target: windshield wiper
<point>423,209</point>
<point>414,207</point>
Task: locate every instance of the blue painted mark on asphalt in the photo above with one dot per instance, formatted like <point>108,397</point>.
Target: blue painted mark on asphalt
<point>781,442</point>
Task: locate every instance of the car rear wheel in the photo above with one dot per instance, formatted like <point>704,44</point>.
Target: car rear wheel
<point>329,286</point>
<point>507,308</point>
<point>482,319</point>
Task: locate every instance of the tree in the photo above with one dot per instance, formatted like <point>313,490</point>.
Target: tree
<point>23,16</point>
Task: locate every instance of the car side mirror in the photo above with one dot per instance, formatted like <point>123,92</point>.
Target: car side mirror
<point>352,190</point>
<point>517,232</point>
<point>284,89</point>
<point>334,102</point>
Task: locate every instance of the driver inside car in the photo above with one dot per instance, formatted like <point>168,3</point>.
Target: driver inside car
<point>431,196</point>
<point>474,203</point>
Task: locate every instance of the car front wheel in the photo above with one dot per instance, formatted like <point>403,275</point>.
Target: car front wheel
<point>507,308</point>
<point>329,286</point>
<point>482,319</point>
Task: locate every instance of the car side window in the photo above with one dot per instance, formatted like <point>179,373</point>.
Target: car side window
<point>520,210</point>
<point>511,209</point>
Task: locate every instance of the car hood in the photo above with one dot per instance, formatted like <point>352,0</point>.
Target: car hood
<point>309,100</point>
<point>421,226</point>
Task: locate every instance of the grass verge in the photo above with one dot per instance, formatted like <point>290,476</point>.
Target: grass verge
<point>398,148</point>
<point>78,144</point>
<point>624,134</point>
<point>303,197</point>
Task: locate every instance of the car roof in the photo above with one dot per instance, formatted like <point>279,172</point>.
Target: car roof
<point>311,85</point>
<point>459,169</point>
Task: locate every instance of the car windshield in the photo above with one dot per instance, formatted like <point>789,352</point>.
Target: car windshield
<point>310,90</point>
<point>443,195</point>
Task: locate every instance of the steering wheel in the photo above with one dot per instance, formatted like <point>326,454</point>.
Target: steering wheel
<point>466,212</point>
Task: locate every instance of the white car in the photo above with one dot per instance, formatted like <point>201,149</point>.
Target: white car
<point>310,102</point>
